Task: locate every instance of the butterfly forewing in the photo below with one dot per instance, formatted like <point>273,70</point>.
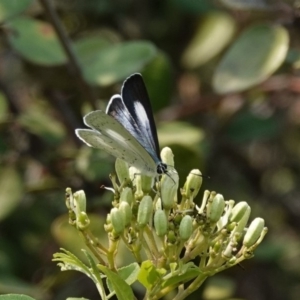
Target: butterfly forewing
<point>136,100</point>
<point>109,135</point>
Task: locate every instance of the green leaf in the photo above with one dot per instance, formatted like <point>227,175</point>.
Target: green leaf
<point>246,126</point>
<point>88,48</point>
<point>10,8</point>
<point>179,133</point>
<point>248,5</point>
<point>128,273</point>
<point>15,297</point>
<point>116,62</point>
<point>213,34</point>
<point>182,278</point>
<point>148,275</point>
<point>254,56</point>
<point>36,41</point>
<point>37,120</point>
<point>11,189</point>
<point>68,261</point>
<point>121,288</point>
<point>158,77</point>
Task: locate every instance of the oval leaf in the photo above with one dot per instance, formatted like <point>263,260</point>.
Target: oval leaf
<point>36,41</point>
<point>213,34</point>
<point>256,54</point>
<point>10,8</point>
<point>118,61</point>
<point>15,297</point>
<point>11,189</point>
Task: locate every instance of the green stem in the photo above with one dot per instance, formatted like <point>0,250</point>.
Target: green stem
<point>191,288</point>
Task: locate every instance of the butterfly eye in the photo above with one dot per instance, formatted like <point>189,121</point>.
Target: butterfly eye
<point>162,168</point>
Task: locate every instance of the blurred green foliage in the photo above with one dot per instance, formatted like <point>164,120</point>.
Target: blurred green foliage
<point>223,77</point>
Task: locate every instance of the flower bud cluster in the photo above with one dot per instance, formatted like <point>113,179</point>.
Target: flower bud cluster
<point>153,218</point>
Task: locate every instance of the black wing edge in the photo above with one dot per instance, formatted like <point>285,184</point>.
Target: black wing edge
<point>134,90</point>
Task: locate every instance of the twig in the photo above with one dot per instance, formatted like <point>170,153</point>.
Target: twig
<point>67,46</point>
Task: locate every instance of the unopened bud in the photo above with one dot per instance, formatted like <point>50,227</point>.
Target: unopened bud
<point>145,211</point>
<point>167,156</point>
<point>254,231</point>
<point>169,186</point>
<point>242,223</point>
<point>193,183</point>
<point>215,208</point>
<point>125,209</point>
<point>79,202</point>
<point>238,211</point>
<point>126,195</point>
<point>82,221</point>
<point>171,237</point>
<point>160,223</point>
<point>117,220</point>
<point>186,227</point>
<point>122,170</point>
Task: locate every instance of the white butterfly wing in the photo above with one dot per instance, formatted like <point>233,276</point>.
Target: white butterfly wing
<point>109,135</point>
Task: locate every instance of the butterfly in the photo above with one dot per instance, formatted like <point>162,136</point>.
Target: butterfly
<point>127,129</point>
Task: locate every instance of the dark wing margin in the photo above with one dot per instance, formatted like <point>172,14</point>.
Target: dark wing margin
<point>136,100</point>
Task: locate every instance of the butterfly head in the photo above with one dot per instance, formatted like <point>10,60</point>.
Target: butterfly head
<point>162,168</point>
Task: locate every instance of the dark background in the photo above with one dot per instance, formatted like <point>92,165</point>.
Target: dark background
<point>245,136</point>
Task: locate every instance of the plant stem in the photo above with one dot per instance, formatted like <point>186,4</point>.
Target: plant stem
<point>68,48</point>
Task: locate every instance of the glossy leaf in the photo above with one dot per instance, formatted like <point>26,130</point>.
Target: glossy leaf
<point>10,8</point>
<point>116,62</point>
<point>36,41</point>
<point>254,56</point>
<point>212,35</point>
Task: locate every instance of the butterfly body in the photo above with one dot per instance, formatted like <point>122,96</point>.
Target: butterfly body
<point>127,129</point>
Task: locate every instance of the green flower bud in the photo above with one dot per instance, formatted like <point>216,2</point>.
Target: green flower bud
<point>147,184</point>
<point>215,208</point>
<point>169,186</point>
<point>160,223</point>
<point>122,170</point>
<point>167,156</point>
<point>145,211</point>
<point>171,237</point>
<point>79,204</point>
<point>238,211</point>
<point>186,227</point>
<point>254,231</point>
<point>126,195</point>
<point>117,220</point>
<point>193,183</point>
<point>242,223</point>
<point>137,180</point>
<point>82,221</point>
<point>158,204</point>
<point>125,209</point>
